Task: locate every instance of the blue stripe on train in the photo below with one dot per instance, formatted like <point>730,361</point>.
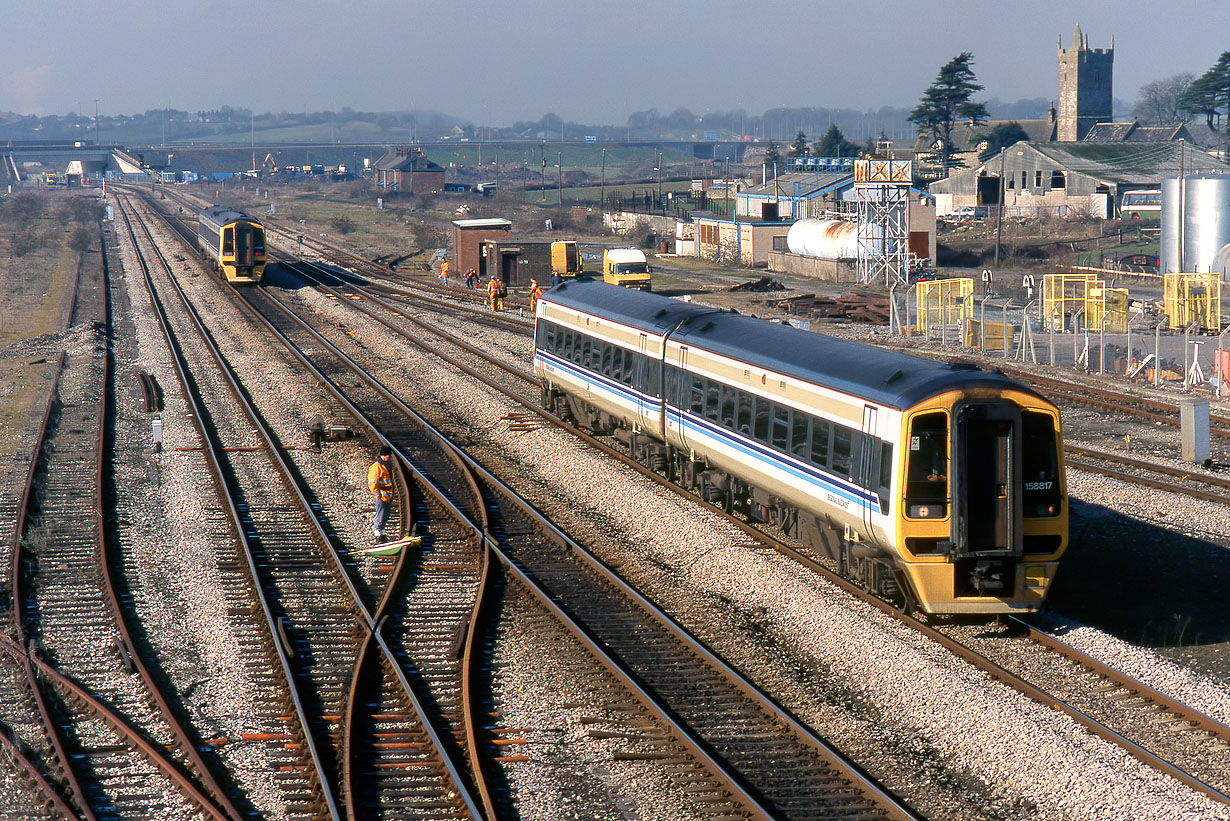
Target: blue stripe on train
<point>693,424</point>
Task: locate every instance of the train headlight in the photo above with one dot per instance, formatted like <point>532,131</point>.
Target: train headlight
<point>932,511</point>
<point>1035,575</point>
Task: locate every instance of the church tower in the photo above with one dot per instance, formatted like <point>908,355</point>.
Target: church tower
<point>1084,87</point>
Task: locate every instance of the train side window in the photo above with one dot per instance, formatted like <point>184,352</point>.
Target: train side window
<point>730,399</point>
<point>570,339</point>
<point>821,432</point>
<point>926,473</point>
<point>713,393</point>
<point>607,353</point>
<point>761,430</point>
<point>654,387</point>
<point>800,433</point>
<point>580,351</point>
<point>636,371</point>
<point>698,396</point>
<point>886,475</point>
<point>745,413</point>
<point>781,427</point>
<point>843,450</point>
<point>545,336</point>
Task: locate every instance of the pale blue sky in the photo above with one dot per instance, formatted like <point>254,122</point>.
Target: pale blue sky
<point>494,62</point>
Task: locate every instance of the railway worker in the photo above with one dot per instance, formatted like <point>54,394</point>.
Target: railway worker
<point>1027,282</point>
<point>471,279</point>
<point>444,272</point>
<point>380,483</point>
<point>987,278</point>
<point>535,292</point>
<point>496,291</point>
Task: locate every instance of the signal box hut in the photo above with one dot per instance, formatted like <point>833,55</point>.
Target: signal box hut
<point>468,238</point>
<point>515,262</point>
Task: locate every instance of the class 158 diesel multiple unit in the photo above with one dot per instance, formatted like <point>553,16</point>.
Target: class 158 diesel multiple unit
<point>234,241</point>
<point>937,486</point>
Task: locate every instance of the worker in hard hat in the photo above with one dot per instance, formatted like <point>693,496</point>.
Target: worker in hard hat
<point>535,292</point>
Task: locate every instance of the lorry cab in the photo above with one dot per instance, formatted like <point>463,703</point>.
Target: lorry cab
<point>626,267</point>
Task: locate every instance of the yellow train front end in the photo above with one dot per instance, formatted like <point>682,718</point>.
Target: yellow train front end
<point>982,513</point>
<point>241,255</point>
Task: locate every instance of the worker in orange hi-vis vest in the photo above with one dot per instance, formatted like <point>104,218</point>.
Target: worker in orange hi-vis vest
<point>444,272</point>
<point>535,292</point>
<point>380,483</point>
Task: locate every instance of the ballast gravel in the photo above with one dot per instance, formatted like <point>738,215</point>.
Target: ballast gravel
<point>1005,755</point>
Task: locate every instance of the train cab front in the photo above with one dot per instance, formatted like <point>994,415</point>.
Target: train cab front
<point>984,514</point>
<point>243,252</point>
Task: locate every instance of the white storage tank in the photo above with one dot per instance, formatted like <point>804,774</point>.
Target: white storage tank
<point>1206,221</point>
<point>827,239</point>
<point>1221,263</point>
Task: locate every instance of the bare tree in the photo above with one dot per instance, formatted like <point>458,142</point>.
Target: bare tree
<point>1158,103</point>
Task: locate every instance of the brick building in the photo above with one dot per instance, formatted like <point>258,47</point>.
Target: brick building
<point>407,170</point>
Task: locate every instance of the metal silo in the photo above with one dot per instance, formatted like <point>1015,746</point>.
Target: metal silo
<point>1206,221</point>
<point>1170,226</point>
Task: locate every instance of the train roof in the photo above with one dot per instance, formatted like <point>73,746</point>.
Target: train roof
<point>643,311</point>
<point>222,214</point>
<point>883,376</point>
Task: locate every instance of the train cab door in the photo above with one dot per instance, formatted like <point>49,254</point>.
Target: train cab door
<point>682,396</point>
<point>644,372</point>
<point>243,245</point>
<point>868,464</point>
<point>987,479</point>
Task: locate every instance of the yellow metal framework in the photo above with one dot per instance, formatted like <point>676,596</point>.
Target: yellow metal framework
<point>943,302</point>
<point>1063,295</point>
<point>1106,309</point>
<point>1192,298</point>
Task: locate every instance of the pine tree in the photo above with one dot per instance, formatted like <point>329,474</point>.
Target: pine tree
<point>1210,95</point>
<point>947,101</point>
<point>799,147</point>
<point>771,155</point>
<point>835,144</point>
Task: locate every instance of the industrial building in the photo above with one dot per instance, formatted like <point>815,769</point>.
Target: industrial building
<point>1069,179</point>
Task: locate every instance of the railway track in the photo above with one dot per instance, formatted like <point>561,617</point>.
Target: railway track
<point>363,739</point>
<point>68,605</point>
<point>719,710</point>
<point>480,365</point>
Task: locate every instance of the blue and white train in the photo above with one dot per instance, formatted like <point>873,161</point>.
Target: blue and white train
<point>937,486</point>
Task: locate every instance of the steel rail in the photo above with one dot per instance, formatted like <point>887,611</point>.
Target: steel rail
<point>213,458</point>
<point>154,752</point>
<point>50,726</point>
<point>992,669</point>
<point>189,741</point>
<point>368,621</point>
<point>804,733</point>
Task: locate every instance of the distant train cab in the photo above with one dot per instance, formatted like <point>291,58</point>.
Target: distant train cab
<point>234,241</point>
